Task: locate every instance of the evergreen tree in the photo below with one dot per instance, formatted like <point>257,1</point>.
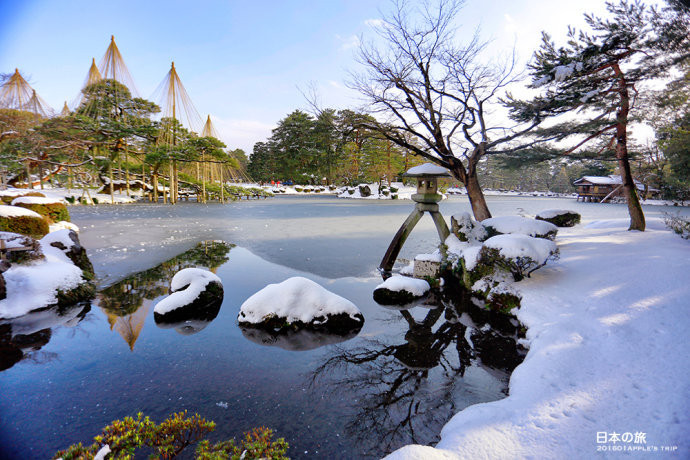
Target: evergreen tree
<point>598,75</point>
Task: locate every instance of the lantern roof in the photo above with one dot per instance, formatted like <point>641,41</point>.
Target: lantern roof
<point>427,170</point>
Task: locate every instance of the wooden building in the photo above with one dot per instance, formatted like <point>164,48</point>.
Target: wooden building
<point>600,189</point>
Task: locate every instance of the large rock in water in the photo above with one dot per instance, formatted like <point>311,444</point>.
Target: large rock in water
<point>400,290</point>
<point>299,303</point>
<point>192,291</point>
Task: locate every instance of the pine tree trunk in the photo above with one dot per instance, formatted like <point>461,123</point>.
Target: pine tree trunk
<point>637,221</point>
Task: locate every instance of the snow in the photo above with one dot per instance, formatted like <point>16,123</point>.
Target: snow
<point>516,245</point>
<point>194,279</point>
<point>606,354</point>
<point>427,169</point>
<point>462,250</point>
<point>521,225</point>
<point>102,452</point>
<point>562,72</point>
<point>296,299</point>
<point>434,257</point>
<point>63,224</point>
<point>34,285</point>
<point>16,211</point>
<point>36,200</point>
<point>589,95</point>
<point>58,236</point>
<point>551,213</point>
<point>397,283</point>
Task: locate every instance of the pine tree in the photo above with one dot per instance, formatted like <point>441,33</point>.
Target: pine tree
<point>598,75</point>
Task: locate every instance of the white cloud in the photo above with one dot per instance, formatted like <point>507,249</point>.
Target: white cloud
<point>375,23</point>
<point>347,43</point>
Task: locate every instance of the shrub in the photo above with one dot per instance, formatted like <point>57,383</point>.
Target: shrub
<point>55,212</point>
<point>7,199</point>
<point>35,227</point>
<point>172,436</point>
<point>679,225</point>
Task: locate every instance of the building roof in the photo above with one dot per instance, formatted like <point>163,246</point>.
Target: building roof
<point>611,179</point>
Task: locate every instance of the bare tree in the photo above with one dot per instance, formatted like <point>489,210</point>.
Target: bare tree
<point>433,96</point>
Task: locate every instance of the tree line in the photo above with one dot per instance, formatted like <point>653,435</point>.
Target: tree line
<point>332,147</point>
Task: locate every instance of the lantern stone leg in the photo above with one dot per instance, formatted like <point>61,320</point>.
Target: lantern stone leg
<point>401,236</point>
<point>426,200</point>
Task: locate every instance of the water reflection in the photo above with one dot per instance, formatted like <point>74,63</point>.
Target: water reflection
<point>189,319</point>
<point>297,339</point>
<point>22,338</point>
<point>128,303</point>
<point>409,389</point>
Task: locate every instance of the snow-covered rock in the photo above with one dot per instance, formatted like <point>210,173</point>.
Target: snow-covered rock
<point>63,225</point>
<point>519,254</point>
<point>41,283</point>
<point>299,302</point>
<point>400,290</point>
<point>191,290</point>
<point>467,229</point>
<point>559,217</point>
<point>520,225</point>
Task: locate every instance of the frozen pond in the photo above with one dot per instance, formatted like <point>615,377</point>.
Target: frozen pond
<point>64,376</point>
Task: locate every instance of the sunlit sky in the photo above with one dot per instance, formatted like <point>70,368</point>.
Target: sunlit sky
<point>242,62</point>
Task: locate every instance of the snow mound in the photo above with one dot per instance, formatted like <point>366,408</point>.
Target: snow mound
<point>186,286</point>
<point>17,211</point>
<point>520,225</point>
<point>37,200</point>
<point>513,246</point>
<point>298,300</point>
<point>397,283</point>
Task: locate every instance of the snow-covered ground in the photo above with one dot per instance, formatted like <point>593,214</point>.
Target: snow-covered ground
<point>607,370</point>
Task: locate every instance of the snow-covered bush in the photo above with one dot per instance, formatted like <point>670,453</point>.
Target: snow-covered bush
<point>680,225</point>
<point>467,229</point>
<point>20,220</point>
<point>54,209</point>
<point>520,225</point>
<point>559,217</point>
<point>8,195</point>
<point>518,254</point>
<point>299,302</point>
<point>364,190</point>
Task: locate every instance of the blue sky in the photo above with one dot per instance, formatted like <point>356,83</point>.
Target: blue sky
<point>240,61</point>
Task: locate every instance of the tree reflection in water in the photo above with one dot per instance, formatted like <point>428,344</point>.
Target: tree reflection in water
<point>22,338</point>
<point>128,302</point>
<point>407,391</point>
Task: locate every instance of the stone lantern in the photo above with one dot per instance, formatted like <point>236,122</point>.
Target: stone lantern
<point>426,200</point>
